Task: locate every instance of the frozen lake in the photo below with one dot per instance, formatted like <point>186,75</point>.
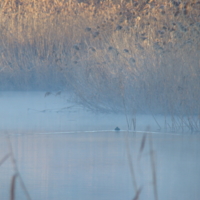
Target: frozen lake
<point>63,151</point>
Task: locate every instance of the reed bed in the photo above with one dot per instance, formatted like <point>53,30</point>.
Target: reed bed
<point>142,56</point>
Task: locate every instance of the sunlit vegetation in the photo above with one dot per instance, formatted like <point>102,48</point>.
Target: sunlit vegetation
<point>142,56</point>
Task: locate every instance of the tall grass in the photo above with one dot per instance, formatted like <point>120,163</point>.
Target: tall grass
<point>142,54</point>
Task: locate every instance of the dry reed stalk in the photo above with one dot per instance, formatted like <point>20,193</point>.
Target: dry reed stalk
<point>137,195</point>
<point>153,167</point>
<point>142,145</point>
<point>12,187</point>
<point>131,167</point>
<point>17,173</point>
<point>4,158</point>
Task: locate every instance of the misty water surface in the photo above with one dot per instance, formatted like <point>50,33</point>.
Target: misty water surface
<point>73,153</point>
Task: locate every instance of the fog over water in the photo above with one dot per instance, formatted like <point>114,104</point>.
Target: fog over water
<point>33,112</point>
<point>64,151</point>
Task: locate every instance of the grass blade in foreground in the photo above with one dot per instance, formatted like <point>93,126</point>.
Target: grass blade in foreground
<point>12,187</point>
<point>13,160</point>
<point>4,159</point>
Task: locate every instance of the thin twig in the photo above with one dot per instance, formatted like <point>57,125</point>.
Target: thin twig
<point>156,122</point>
